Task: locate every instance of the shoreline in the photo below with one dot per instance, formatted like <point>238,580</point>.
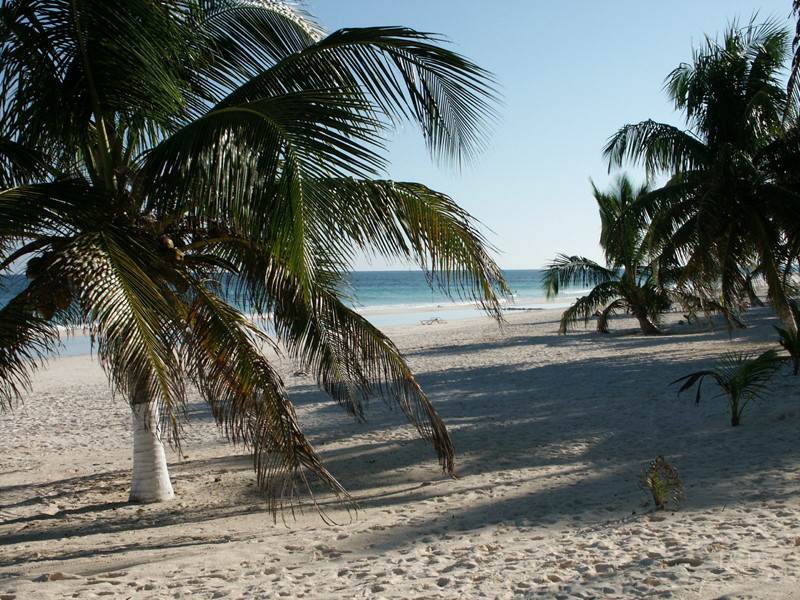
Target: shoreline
<point>78,344</point>
<point>551,434</point>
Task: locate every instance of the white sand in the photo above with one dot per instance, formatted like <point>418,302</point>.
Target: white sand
<point>551,433</point>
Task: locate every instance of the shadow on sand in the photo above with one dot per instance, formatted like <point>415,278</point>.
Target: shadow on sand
<point>517,430</point>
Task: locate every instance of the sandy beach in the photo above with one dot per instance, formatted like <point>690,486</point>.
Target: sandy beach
<point>552,433</point>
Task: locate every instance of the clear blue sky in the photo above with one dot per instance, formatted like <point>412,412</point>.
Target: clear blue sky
<point>571,74</point>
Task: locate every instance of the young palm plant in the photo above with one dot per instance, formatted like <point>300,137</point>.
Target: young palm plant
<point>740,377</point>
<point>160,157</point>
<point>727,203</point>
<point>629,281</point>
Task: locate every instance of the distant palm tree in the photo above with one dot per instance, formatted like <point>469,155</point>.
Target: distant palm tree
<point>628,282</point>
<point>160,159</point>
<point>729,202</point>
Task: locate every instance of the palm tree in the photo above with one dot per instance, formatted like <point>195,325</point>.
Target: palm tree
<point>161,160</point>
<point>727,204</point>
<point>629,281</point>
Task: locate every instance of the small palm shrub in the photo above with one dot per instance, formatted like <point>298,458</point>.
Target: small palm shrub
<point>740,377</point>
<point>790,340</point>
<point>662,481</point>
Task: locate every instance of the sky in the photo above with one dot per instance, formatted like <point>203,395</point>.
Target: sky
<point>570,74</point>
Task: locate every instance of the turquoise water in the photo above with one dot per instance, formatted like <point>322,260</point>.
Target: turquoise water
<point>402,297</point>
<point>386,298</point>
<point>392,290</point>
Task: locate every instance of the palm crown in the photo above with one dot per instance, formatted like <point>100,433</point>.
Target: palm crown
<point>158,155</point>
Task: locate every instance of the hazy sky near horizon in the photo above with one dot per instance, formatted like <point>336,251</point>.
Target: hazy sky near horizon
<point>570,75</point>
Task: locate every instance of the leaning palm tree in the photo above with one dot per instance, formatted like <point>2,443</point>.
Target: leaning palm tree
<point>727,203</point>
<point>171,165</point>
<point>628,282</point>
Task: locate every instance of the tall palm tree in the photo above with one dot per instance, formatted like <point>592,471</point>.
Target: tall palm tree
<point>162,159</point>
<point>628,282</point>
<point>726,204</point>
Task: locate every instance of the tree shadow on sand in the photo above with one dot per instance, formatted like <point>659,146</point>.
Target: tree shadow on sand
<point>535,443</point>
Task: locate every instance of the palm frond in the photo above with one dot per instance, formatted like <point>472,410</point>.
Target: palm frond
<point>248,38</point>
<point>747,375</point>
<point>68,65</point>
<point>27,338</point>
<point>574,270</point>
<point>250,153</point>
<point>20,164</point>
<point>411,220</point>
<point>352,360</point>
<point>355,361</point>
<point>793,85</point>
<point>51,209</point>
<point>586,306</point>
<point>247,397</point>
<point>655,146</point>
<point>403,74</point>
<point>133,316</point>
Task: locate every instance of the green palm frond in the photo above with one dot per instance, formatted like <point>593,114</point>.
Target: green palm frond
<point>405,74</point>
<point>247,397</point>
<point>90,59</point>
<point>260,167</point>
<point>793,85</point>
<point>249,36</point>
<point>732,87</point>
<point>574,270</point>
<point>411,220</point>
<point>352,360</point>
<point>790,340</point>
<point>655,146</point>
<point>27,338</point>
<point>586,306</point>
<point>623,222</point>
<point>132,316</point>
<point>52,209</point>
<point>21,164</point>
<point>745,375</point>
<point>240,154</point>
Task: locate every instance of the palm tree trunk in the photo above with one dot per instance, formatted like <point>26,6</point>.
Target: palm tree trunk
<point>150,481</point>
<point>646,325</point>
<point>776,293</point>
<point>751,293</point>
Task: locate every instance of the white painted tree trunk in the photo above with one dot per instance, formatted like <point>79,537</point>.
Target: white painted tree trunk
<point>150,476</point>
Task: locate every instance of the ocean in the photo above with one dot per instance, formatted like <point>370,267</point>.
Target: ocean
<point>401,297</point>
<point>389,298</point>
